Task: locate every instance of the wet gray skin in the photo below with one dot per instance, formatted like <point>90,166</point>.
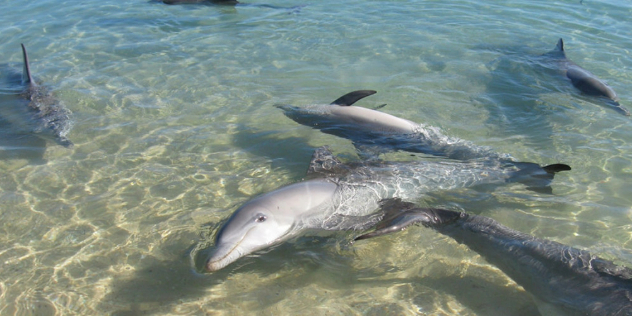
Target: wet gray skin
<point>52,120</point>
<point>584,80</point>
<point>374,132</point>
<point>563,280</point>
<point>345,197</point>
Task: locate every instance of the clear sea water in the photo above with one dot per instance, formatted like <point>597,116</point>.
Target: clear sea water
<point>175,127</point>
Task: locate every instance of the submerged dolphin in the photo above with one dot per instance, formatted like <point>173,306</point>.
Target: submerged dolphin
<point>48,117</point>
<point>562,279</point>
<point>584,80</point>
<point>373,130</point>
<point>347,195</point>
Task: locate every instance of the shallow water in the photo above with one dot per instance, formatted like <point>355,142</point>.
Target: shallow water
<point>175,126</point>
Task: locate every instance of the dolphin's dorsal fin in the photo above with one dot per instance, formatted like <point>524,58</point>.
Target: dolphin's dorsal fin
<point>324,163</point>
<point>26,74</point>
<point>352,97</point>
<point>560,45</point>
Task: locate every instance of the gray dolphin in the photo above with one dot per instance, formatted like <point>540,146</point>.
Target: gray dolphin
<point>375,131</point>
<point>345,197</point>
<point>562,279</point>
<point>584,80</point>
<point>51,119</point>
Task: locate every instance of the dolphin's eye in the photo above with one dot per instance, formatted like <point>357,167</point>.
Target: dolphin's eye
<point>260,218</point>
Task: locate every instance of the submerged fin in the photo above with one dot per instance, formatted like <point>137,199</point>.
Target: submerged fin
<point>352,97</point>
<point>26,74</point>
<point>324,163</point>
<point>398,215</point>
<point>557,167</point>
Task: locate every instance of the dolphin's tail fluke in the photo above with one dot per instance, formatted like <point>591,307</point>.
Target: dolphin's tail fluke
<point>398,215</point>
<point>353,97</point>
<point>618,107</point>
<point>536,177</point>
<point>26,74</point>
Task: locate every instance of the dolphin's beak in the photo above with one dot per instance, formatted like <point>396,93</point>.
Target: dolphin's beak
<point>222,257</point>
<point>225,253</point>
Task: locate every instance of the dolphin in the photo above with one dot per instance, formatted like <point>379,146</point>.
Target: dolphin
<point>51,120</point>
<point>375,131</point>
<point>340,197</point>
<point>584,80</point>
<point>562,279</point>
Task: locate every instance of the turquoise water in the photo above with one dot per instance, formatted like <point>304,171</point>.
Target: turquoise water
<point>175,126</point>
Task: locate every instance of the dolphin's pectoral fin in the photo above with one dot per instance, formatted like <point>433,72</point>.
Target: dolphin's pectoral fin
<point>398,215</point>
<point>352,97</point>
<point>324,163</point>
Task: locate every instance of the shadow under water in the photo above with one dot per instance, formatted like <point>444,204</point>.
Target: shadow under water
<point>290,153</point>
<point>514,86</point>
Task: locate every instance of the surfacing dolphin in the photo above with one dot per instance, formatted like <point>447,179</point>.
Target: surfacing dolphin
<point>584,80</point>
<point>374,131</point>
<point>51,119</point>
<point>562,279</point>
<point>346,197</point>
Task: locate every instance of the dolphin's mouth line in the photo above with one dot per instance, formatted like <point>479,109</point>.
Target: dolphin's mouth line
<point>230,251</point>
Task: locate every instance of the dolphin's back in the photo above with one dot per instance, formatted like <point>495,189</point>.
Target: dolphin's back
<point>588,83</point>
<point>571,279</point>
<point>53,120</point>
<point>584,80</point>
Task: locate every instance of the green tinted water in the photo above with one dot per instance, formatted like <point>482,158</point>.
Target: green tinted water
<point>174,127</point>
